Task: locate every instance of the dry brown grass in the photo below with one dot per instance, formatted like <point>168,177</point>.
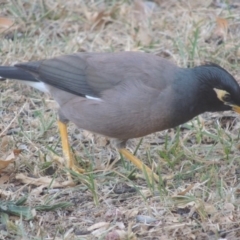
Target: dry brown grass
<point>201,159</point>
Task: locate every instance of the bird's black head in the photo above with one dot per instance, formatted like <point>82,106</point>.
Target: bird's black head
<point>218,89</point>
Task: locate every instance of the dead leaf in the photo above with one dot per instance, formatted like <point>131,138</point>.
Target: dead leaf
<point>146,193</point>
<point>4,179</point>
<point>9,159</point>
<point>101,17</point>
<point>229,207</point>
<point>209,208</point>
<point>98,225</point>
<point>17,152</point>
<point>5,23</point>
<point>11,156</point>
<point>142,12</point>
<point>139,10</point>
<point>98,229</point>
<point>182,201</point>
<point>144,36</point>
<point>225,216</point>
<point>5,142</point>
<point>4,193</point>
<point>45,181</point>
<point>220,32</point>
<point>203,209</point>
<point>130,213</point>
<point>5,163</point>
<point>186,190</point>
<point>98,19</point>
<point>222,27</point>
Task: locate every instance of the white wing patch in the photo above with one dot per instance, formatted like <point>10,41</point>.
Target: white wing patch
<point>44,88</point>
<point>93,98</point>
<point>38,85</point>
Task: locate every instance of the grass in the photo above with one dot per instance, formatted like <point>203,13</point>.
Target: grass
<point>200,159</point>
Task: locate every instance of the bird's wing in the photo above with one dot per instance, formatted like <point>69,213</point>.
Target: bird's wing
<point>66,73</point>
<point>92,73</point>
<point>81,74</point>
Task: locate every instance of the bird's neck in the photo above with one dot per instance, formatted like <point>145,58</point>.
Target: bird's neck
<point>195,96</point>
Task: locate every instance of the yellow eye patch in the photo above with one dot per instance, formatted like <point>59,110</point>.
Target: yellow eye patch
<point>221,94</point>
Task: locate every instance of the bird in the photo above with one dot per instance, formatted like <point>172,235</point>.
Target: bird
<point>125,95</point>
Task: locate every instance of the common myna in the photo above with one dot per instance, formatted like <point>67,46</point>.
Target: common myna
<point>127,95</point>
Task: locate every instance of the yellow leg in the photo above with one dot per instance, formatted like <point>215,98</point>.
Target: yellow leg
<point>139,164</point>
<point>66,148</point>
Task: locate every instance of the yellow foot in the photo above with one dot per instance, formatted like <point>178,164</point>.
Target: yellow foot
<point>66,148</point>
<point>77,169</point>
<point>139,164</point>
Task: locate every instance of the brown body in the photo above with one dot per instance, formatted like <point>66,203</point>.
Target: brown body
<point>130,114</point>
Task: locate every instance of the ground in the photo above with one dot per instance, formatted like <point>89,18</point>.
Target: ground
<point>198,162</point>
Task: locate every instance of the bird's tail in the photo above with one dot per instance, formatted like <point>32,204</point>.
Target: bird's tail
<point>16,73</point>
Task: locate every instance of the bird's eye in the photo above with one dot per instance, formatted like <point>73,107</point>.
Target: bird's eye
<point>227,98</point>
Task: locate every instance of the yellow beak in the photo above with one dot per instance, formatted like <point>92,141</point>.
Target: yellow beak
<point>236,109</point>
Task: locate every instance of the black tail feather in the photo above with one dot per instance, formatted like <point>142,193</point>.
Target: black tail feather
<point>16,73</point>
